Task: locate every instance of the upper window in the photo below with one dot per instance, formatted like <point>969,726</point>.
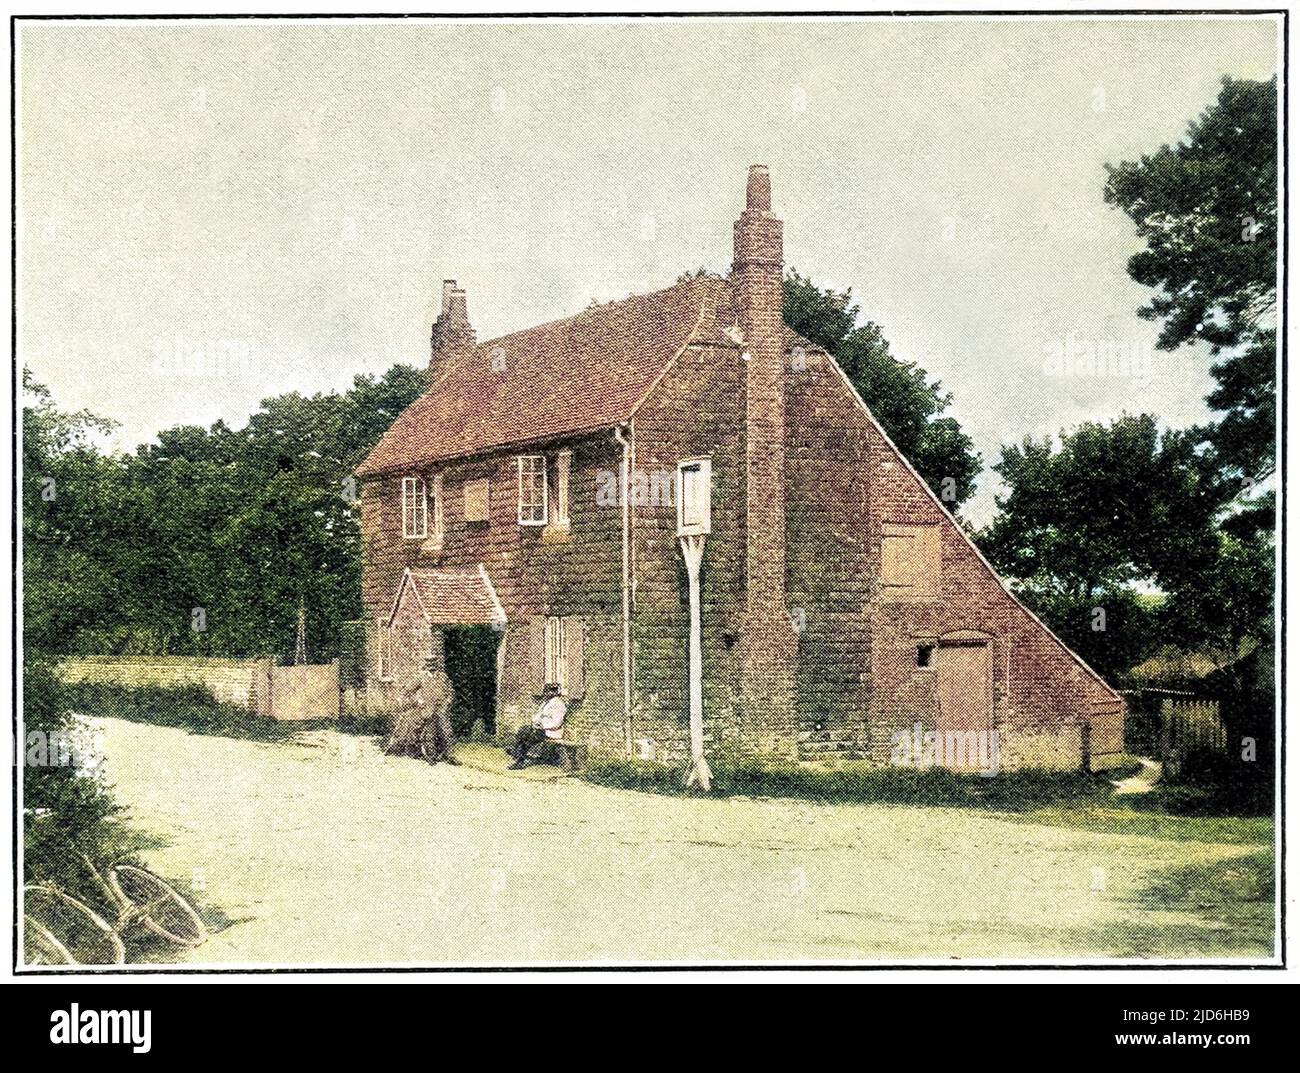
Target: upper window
<point>694,481</point>
<point>532,490</point>
<point>910,559</point>
<point>415,508</point>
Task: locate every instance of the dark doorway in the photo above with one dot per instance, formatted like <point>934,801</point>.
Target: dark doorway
<point>471,657</point>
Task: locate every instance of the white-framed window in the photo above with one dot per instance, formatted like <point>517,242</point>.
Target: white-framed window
<point>532,490</point>
<point>415,508</point>
<point>555,669</point>
<point>560,505</point>
<point>694,495</point>
<point>384,650</point>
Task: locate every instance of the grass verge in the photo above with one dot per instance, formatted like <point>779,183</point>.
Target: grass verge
<point>1011,792</point>
<point>1053,798</point>
<point>1237,895</point>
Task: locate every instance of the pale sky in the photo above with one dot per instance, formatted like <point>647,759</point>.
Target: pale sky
<point>283,199</point>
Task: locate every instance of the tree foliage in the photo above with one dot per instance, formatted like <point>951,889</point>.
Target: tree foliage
<point>66,811</point>
<point>1090,522</point>
<point>1133,522</point>
<point>1207,210</point>
<point>1167,531</point>
<point>205,541</point>
<point>909,406</point>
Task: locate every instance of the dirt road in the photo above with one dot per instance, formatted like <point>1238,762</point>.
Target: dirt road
<point>333,854</point>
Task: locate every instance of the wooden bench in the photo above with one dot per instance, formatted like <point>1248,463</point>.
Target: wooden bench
<point>574,752</point>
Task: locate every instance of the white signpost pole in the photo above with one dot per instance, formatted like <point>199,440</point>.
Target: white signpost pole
<point>699,774</point>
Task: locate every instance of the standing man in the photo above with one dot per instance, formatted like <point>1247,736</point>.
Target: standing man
<point>437,739</point>
<point>423,725</point>
<point>547,725</point>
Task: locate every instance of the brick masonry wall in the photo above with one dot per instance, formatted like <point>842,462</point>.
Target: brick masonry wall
<point>1036,681</point>
<point>1046,746</point>
<point>829,563</point>
<point>536,571</point>
<point>597,720</point>
<point>768,641</point>
<point>856,679</point>
<point>694,412</point>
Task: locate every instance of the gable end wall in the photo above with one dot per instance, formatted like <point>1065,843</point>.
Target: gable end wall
<point>695,411</point>
<point>848,481</point>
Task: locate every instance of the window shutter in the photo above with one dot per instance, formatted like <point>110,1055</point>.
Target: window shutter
<point>929,560</point>
<point>895,556</point>
<point>563,463</point>
<point>537,654</point>
<point>476,500</point>
<point>911,558</point>
<point>575,638</point>
<point>437,530</point>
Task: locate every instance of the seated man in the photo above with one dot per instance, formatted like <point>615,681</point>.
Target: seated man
<point>548,725</point>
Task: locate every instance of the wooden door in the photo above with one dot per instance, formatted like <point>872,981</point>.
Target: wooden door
<point>965,687</point>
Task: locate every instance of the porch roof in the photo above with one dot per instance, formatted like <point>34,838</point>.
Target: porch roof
<point>451,597</point>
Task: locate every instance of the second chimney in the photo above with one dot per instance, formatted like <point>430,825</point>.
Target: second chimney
<point>452,333</point>
<point>769,649</point>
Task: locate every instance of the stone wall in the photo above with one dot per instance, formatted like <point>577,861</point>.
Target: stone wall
<point>243,683</point>
<point>289,693</point>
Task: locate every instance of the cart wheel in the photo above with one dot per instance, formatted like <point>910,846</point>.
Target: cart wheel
<point>162,910</point>
<point>77,930</point>
<point>40,947</point>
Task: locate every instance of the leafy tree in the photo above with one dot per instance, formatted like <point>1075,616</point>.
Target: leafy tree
<point>1087,523</point>
<point>240,524</point>
<point>70,519</point>
<point>1207,209</point>
<point>66,811</point>
<point>909,406</point>
<point>1229,600</point>
<point>373,405</point>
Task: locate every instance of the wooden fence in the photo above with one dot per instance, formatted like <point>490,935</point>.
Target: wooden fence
<point>1190,724</point>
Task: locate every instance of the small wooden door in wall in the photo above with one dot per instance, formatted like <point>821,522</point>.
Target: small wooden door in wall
<point>965,686</point>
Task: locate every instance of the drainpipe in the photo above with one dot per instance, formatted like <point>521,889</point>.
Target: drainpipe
<point>625,475</point>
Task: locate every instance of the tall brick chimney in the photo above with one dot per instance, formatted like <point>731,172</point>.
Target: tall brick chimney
<point>769,642</point>
<point>452,332</point>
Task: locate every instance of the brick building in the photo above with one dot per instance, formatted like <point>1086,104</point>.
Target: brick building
<point>523,517</point>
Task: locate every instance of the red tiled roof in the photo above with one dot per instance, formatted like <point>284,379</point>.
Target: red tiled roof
<point>452,597</point>
<point>580,374</point>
